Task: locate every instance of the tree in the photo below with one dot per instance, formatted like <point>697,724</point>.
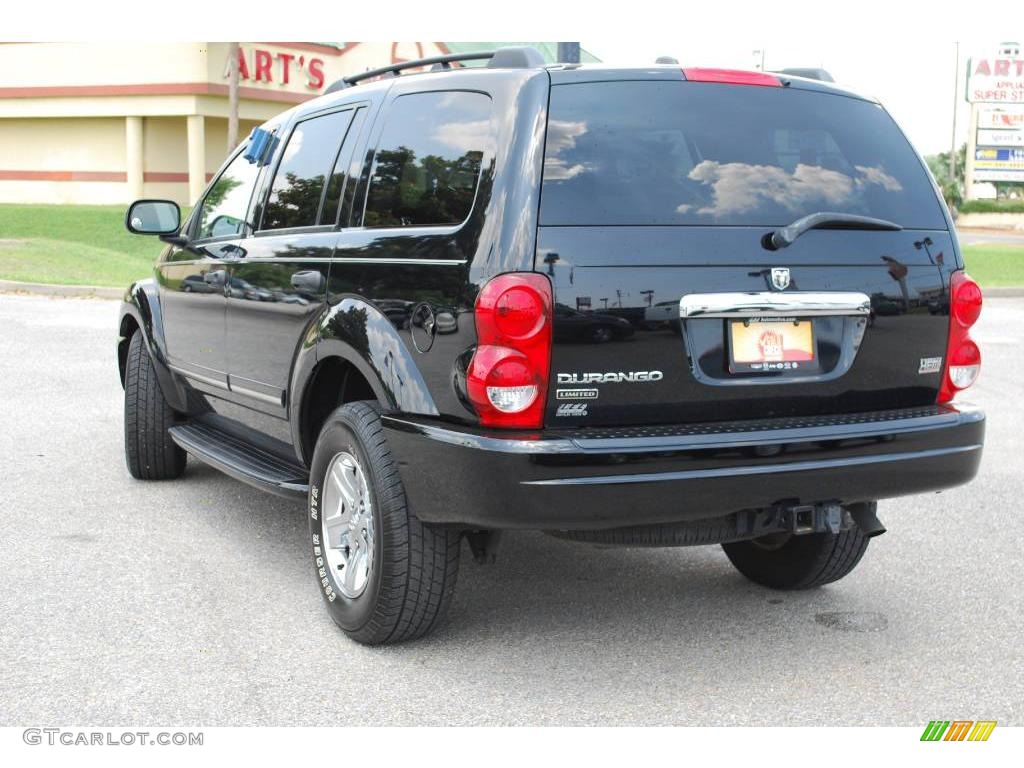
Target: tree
<point>952,188</point>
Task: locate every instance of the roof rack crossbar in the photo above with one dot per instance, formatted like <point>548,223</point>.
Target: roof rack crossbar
<point>393,69</point>
<point>511,57</point>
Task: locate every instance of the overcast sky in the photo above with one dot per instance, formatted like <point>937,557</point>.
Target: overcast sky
<point>914,82</point>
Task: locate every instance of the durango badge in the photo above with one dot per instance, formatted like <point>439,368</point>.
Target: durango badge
<point>632,377</point>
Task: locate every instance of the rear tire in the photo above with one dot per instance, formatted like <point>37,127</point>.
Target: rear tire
<point>784,561</point>
<point>148,449</point>
<point>385,576</point>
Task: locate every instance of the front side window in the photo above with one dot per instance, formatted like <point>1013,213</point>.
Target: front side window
<point>226,205</point>
<point>307,160</point>
<point>428,161</point>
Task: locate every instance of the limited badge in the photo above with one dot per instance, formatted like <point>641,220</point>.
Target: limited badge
<point>930,365</point>
<point>576,394</point>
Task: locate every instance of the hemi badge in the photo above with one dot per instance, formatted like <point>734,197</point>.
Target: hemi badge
<point>930,365</point>
<point>575,394</point>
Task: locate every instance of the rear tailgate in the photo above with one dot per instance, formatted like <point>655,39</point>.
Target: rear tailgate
<point>656,191</point>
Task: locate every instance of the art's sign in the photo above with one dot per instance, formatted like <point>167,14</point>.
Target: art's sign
<point>995,80</point>
<point>259,65</point>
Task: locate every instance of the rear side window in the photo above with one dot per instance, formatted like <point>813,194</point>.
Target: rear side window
<point>308,158</point>
<point>427,164</point>
<point>704,153</point>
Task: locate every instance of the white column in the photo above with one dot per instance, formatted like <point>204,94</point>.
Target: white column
<point>134,151</point>
<point>196,157</point>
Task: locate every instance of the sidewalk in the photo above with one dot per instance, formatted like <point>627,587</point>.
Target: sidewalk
<point>66,291</point>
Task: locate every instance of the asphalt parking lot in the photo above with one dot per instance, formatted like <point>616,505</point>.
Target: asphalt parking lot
<point>192,602</point>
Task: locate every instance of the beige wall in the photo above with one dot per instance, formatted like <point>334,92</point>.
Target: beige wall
<point>51,64</point>
<point>64,109</point>
<point>81,146</point>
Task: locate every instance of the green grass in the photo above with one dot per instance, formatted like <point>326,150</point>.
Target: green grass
<point>993,206</point>
<point>73,245</point>
<point>88,245</point>
<point>995,265</point>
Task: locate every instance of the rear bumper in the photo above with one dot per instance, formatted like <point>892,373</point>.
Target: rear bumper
<point>578,479</point>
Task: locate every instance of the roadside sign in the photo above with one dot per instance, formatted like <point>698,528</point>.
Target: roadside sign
<point>997,80</point>
<point>1001,118</point>
<point>998,164</point>
<point>991,138</point>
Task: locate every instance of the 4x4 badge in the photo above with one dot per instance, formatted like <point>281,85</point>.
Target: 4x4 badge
<point>780,278</point>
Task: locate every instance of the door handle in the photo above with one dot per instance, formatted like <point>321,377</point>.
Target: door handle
<point>309,280</point>
<point>216,277</point>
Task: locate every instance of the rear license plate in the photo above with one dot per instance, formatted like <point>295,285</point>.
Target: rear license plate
<point>762,345</point>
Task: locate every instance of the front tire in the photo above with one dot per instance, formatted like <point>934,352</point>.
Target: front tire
<point>385,576</point>
<point>148,449</point>
<point>784,561</point>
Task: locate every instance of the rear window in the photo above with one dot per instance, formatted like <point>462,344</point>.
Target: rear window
<point>701,153</point>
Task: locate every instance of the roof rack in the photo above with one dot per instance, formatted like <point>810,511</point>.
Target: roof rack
<point>509,58</point>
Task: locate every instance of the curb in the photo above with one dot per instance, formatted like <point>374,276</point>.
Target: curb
<point>67,291</point>
<point>1003,292</point>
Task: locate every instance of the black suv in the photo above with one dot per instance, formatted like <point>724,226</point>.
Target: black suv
<point>421,303</point>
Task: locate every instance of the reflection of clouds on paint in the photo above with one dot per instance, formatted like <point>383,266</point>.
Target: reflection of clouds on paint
<point>458,136</point>
<point>743,187</point>
<point>562,136</point>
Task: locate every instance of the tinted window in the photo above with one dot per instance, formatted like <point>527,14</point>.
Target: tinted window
<point>339,175</point>
<point>299,181</point>
<point>702,153</point>
<point>226,204</point>
<point>427,164</point>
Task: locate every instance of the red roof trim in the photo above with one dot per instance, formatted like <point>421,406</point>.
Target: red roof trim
<point>152,89</point>
<point>326,50</point>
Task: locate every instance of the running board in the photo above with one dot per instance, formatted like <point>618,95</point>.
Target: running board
<point>241,460</point>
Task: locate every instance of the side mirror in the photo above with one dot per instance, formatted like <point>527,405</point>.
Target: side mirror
<point>153,217</point>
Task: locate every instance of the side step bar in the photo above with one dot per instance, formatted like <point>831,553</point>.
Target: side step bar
<point>242,460</point>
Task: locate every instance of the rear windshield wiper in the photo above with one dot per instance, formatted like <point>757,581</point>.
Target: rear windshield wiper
<point>785,236</point>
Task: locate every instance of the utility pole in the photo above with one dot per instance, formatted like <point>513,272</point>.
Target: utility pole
<point>972,146</point>
<point>233,50</point>
<point>568,53</point>
<point>956,100</point>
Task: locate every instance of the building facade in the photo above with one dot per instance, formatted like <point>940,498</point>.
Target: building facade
<point>88,123</point>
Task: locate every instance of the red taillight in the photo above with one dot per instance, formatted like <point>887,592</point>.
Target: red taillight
<point>733,76</point>
<point>507,380</point>
<point>963,358</point>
